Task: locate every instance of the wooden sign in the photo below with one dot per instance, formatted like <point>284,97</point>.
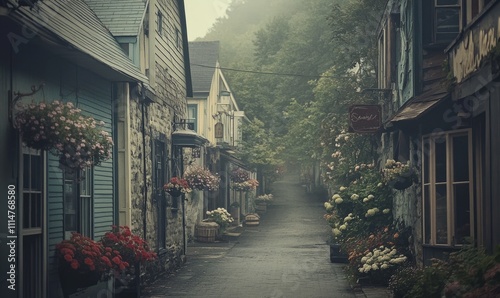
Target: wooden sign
<point>219,130</point>
<point>365,118</point>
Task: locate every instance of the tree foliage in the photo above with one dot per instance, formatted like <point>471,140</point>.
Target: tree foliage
<point>308,61</point>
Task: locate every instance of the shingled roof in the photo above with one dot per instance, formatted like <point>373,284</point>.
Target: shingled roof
<point>80,35</point>
<point>204,53</point>
<point>118,20</point>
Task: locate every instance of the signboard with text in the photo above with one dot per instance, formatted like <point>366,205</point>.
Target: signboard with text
<point>365,118</point>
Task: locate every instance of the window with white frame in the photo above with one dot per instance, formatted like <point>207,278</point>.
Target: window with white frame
<point>78,205</point>
<point>448,201</point>
<point>192,119</point>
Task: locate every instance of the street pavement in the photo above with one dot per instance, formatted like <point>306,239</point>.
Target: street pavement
<point>285,256</point>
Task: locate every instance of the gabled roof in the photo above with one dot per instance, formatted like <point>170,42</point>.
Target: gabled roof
<point>121,17</point>
<point>204,53</point>
<point>73,31</point>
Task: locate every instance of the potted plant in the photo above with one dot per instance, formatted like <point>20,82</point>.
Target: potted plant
<point>220,216</point>
<point>135,251</point>
<point>399,175</point>
<point>78,140</point>
<point>177,186</point>
<point>83,262</point>
<point>262,201</point>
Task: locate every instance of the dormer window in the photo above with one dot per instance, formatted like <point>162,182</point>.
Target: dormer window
<point>442,21</point>
<point>447,19</point>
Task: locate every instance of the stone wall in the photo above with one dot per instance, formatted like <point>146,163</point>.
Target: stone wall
<point>194,212</point>
<point>407,204</point>
<point>158,119</point>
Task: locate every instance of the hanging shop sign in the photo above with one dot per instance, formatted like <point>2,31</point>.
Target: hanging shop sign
<point>365,118</point>
<point>219,130</point>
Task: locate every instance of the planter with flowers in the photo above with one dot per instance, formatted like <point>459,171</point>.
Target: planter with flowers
<point>200,178</point>
<point>135,251</point>
<point>84,262</point>
<point>220,216</point>
<point>78,140</point>
<point>262,201</point>
<point>177,186</point>
<point>399,175</point>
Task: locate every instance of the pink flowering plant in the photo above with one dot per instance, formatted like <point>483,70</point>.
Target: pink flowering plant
<point>240,180</point>
<point>177,185</point>
<point>200,178</point>
<point>79,140</point>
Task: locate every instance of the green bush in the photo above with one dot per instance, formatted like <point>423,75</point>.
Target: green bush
<point>468,273</point>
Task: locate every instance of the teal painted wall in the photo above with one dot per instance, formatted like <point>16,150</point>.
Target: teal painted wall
<point>89,92</point>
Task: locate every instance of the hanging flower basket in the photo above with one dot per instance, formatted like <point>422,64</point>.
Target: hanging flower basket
<point>177,186</point>
<point>78,140</point>
<point>200,178</point>
<point>399,175</point>
<point>401,183</point>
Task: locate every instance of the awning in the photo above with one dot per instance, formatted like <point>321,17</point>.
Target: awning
<point>418,106</point>
<point>187,138</point>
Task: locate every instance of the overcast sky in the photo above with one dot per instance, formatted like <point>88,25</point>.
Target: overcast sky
<point>201,14</point>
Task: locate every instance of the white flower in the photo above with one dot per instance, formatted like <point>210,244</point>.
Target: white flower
<point>365,200</point>
<point>336,232</point>
<point>342,188</point>
<point>375,267</point>
<point>370,212</point>
<point>384,266</point>
<point>386,211</point>
<point>370,197</point>
<point>339,201</point>
<point>336,196</point>
<point>379,184</point>
<point>354,197</point>
<point>343,227</point>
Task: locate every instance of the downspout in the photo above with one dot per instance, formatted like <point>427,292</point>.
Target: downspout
<point>144,173</point>
<point>184,238</point>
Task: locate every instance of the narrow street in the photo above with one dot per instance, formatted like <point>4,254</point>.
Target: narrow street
<point>286,256</point>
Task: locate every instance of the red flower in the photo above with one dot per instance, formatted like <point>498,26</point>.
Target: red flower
<point>68,257</point>
<point>88,262</point>
<point>75,264</point>
<point>117,260</point>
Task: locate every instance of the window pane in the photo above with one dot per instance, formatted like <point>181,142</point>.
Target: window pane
<point>447,2</point>
<point>462,212</point>
<point>461,158</point>
<point>440,161</point>
<point>427,214</point>
<point>441,215</point>
<point>36,172</point>
<point>70,204</point>
<point>447,23</point>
